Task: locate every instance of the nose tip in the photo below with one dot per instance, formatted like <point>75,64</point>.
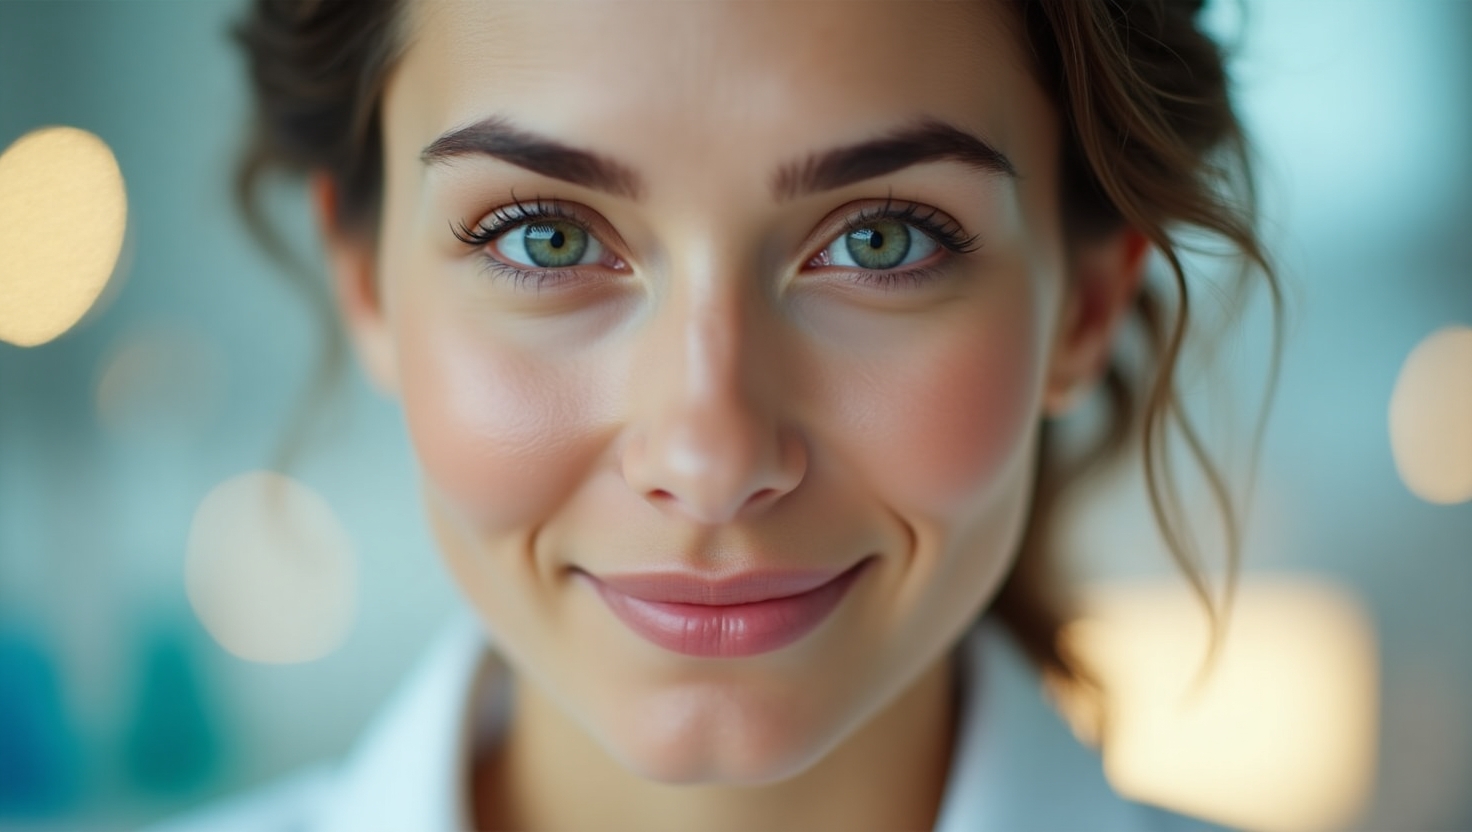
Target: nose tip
<point>714,467</point>
<point>710,430</point>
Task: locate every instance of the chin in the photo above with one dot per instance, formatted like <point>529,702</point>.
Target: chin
<point>717,737</point>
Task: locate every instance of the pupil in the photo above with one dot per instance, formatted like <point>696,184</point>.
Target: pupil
<point>557,239</point>
<point>880,245</point>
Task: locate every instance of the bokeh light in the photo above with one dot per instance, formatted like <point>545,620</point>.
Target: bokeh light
<point>63,213</point>
<point>160,383</point>
<point>270,571</point>
<point>1281,735</point>
<point>1431,417</point>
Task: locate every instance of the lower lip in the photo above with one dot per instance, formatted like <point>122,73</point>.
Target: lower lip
<point>728,630</point>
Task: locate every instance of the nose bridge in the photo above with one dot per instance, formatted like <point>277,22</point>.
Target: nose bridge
<point>712,321</point>
<point>710,440</point>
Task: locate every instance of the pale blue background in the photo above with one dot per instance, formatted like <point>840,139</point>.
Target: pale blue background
<point>1364,114</point>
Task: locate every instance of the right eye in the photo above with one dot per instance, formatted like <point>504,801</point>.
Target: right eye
<point>548,244</point>
<point>539,243</point>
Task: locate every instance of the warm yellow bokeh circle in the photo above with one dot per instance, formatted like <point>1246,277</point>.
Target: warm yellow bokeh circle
<point>63,211</point>
<point>1431,417</point>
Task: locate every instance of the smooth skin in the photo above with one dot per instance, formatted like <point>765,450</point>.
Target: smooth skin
<point>705,391</point>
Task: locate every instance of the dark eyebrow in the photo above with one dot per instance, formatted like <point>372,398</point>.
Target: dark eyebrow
<point>928,140</point>
<point>496,137</point>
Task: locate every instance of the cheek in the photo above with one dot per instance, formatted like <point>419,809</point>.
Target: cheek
<point>501,435</point>
<point>945,426</point>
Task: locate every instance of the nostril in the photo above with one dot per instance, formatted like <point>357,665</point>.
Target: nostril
<point>666,500</point>
<point>713,476</point>
<point>763,496</point>
<point>712,513</point>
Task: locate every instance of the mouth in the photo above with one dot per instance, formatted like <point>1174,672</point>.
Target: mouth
<point>730,617</point>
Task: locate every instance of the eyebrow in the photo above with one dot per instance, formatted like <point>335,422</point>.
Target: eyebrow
<point>498,138</point>
<point>927,140</point>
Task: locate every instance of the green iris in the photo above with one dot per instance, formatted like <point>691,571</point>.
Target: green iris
<point>881,244</point>
<point>555,244</point>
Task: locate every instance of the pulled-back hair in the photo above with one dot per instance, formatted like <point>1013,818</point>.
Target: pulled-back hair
<point>1150,140</point>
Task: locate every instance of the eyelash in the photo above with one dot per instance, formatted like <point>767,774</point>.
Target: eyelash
<point>947,233</point>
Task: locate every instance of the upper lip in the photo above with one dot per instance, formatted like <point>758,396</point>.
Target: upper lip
<point>749,587</point>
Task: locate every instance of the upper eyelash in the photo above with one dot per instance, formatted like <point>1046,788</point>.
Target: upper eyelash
<point>507,217</point>
<point>948,234</point>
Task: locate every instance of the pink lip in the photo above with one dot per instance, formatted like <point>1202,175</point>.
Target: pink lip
<point>739,615</point>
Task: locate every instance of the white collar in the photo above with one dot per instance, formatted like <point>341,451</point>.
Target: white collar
<point>408,771</point>
<point>1016,766</point>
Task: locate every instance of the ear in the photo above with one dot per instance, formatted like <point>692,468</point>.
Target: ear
<point>1105,278</point>
<point>353,264</point>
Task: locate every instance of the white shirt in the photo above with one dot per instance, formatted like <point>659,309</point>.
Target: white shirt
<point>1016,765</point>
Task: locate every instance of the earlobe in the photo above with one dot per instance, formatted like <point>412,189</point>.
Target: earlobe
<point>1104,281</point>
<point>352,264</point>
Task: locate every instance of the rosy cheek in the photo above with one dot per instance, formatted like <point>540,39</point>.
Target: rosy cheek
<point>499,433</point>
<point>953,419</point>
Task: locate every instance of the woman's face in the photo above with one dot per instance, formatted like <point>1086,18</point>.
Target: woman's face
<point>690,305</point>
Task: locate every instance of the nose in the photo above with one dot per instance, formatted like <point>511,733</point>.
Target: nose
<point>708,440</point>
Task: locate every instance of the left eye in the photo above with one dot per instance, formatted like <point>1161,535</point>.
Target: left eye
<point>549,244</point>
<point>880,244</point>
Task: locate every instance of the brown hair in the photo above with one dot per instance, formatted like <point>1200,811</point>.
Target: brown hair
<point>1151,140</point>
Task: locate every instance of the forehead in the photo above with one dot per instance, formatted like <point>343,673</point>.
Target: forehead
<point>673,84</point>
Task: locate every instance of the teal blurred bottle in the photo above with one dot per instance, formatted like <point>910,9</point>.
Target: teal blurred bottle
<point>171,747</point>
<point>40,760</point>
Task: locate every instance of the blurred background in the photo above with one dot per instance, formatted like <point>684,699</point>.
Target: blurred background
<point>130,690</point>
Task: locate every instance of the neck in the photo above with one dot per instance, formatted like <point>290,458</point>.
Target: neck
<point>890,774</point>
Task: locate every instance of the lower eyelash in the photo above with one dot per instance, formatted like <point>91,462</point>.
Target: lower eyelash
<point>538,279</point>
<point>901,279</point>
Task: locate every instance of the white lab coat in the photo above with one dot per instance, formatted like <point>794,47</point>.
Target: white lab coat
<point>1016,767</point>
